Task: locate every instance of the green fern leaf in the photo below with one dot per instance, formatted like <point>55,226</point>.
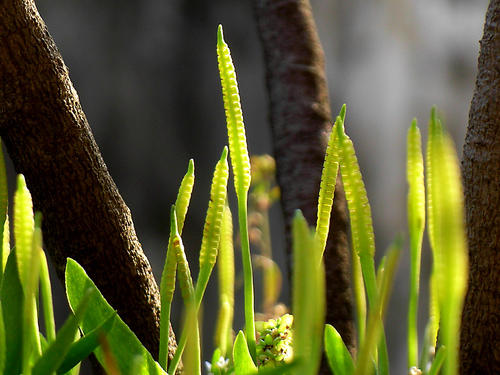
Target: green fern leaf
<point>23,228</point>
<point>327,187</point>
<point>240,160</point>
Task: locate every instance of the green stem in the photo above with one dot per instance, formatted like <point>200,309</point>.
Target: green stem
<point>48,310</point>
<point>360,297</point>
<point>166,297</point>
<point>413,301</point>
<point>247,274</point>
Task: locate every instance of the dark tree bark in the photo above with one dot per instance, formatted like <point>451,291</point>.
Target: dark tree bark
<point>480,336</point>
<point>300,120</point>
<point>49,140</point>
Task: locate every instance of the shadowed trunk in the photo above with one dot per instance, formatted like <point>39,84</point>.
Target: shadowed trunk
<point>300,120</point>
<point>49,140</point>
<point>480,336</point>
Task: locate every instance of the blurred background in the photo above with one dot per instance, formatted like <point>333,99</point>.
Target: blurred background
<point>146,74</point>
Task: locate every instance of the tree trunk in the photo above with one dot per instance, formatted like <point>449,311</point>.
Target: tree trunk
<point>49,140</point>
<point>480,336</point>
<point>300,120</point>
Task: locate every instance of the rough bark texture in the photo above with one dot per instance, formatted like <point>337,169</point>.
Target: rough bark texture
<point>480,337</point>
<point>49,140</point>
<point>300,120</point>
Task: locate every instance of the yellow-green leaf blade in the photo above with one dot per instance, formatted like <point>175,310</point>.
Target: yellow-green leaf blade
<point>416,224</point>
<point>363,239</point>
<point>23,227</point>
<point>327,187</point>
<point>213,220</point>
<point>240,160</point>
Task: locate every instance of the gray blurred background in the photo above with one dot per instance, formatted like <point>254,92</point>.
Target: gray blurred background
<point>146,74</point>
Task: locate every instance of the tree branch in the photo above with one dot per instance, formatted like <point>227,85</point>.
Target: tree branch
<point>300,120</point>
<point>480,336</point>
<point>49,140</point>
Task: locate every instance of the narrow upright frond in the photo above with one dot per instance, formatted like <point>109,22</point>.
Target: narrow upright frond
<point>167,288</point>
<point>416,224</point>
<point>213,220</point>
<point>184,196</point>
<point>363,239</point>
<point>240,160</point>
<point>450,242</point>
<point>225,271</point>
<point>433,226</point>
<point>209,246</point>
<point>183,271</point>
<point>167,285</point>
<point>23,228</point>
<point>327,187</point>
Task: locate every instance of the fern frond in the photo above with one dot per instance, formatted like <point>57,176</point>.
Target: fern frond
<point>23,227</point>
<point>327,187</point>
<point>416,224</point>
<point>450,243</point>
<point>184,196</point>
<point>240,160</point>
<point>434,228</point>
<point>363,239</point>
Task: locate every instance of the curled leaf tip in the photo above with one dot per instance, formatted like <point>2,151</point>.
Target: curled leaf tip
<point>433,112</point>
<point>339,124</point>
<point>21,181</point>
<point>191,166</point>
<point>173,220</point>
<point>414,124</point>
<point>224,154</point>
<point>342,112</point>
<point>298,214</point>
<point>220,35</point>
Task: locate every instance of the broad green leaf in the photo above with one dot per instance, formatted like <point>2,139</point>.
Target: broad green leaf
<point>240,160</point>
<point>84,346</point>
<point>243,363</point>
<point>12,296</point>
<point>123,342</point>
<point>23,227</point>
<point>339,358</point>
<point>55,353</point>
<point>308,296</point>
<point>327,187</point>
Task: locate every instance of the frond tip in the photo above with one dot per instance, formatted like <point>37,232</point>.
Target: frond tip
<point>240,160</point>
